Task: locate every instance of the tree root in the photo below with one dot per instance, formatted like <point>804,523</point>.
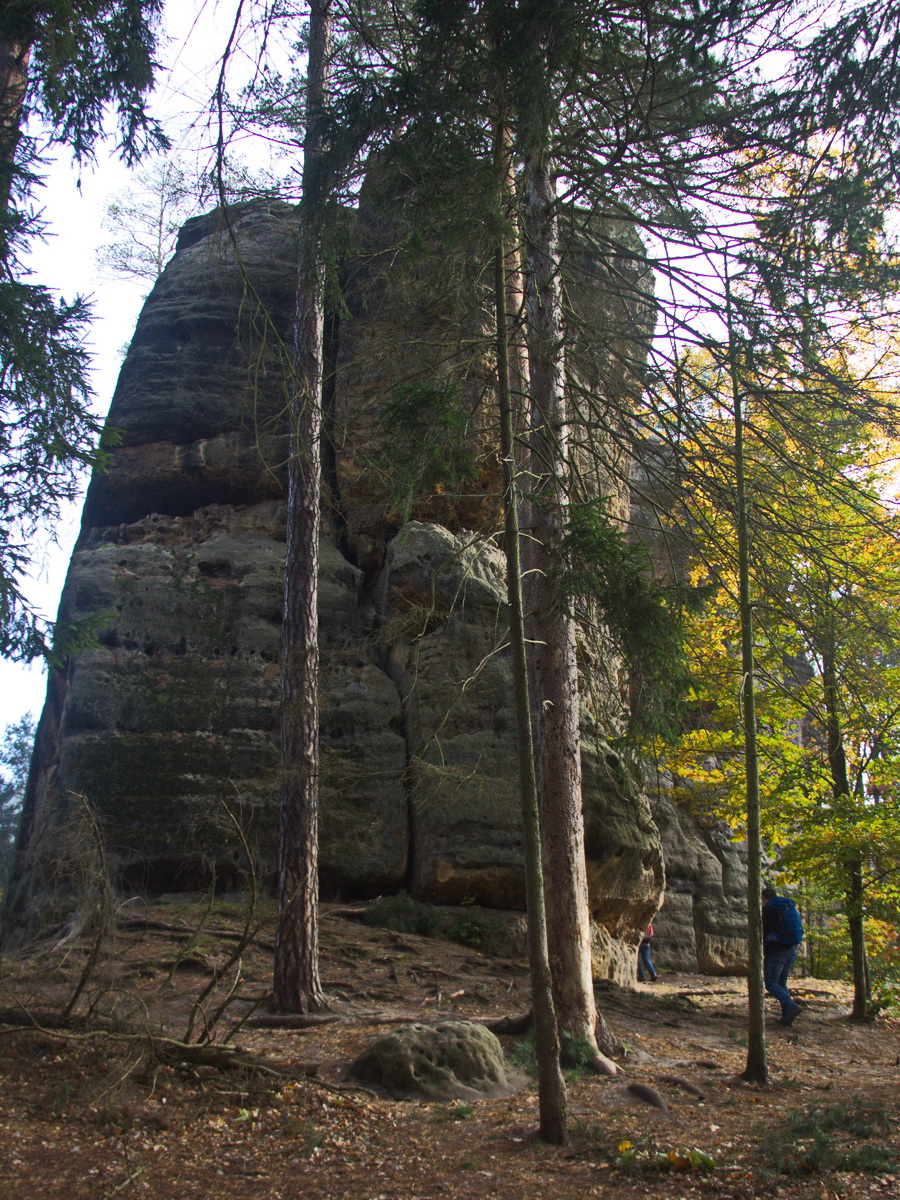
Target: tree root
<point>610,1046</point>
<point>601,1065</point>
<point>292,1020</point>
<point>648,1094</point>
<point>685,1084</point>
<point>507,1026</point>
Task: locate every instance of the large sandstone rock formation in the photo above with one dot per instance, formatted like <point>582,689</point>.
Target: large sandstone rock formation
<point>170,723</point>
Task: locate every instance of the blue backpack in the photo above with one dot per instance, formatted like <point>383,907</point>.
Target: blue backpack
<point>789,926</point>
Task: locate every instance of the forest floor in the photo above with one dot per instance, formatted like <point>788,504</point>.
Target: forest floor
<point>91,1114</point>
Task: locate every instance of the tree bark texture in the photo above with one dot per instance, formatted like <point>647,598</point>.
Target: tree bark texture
<point>296,983</point>
<point>15,52</point>
<point>551,1086</point>
<point>856,925</point>
<point>551,627</point>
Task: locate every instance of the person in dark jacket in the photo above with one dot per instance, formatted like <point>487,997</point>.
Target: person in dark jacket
<point>778,958</point>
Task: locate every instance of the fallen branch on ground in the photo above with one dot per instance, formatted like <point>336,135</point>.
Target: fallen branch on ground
<point>170,1050</point>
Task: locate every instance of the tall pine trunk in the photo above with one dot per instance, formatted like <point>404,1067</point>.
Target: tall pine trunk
<point>551,1086</point>
<point>551,627</point>
<point>296,983</point>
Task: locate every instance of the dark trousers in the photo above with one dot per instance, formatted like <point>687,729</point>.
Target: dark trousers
<point>777,966</point>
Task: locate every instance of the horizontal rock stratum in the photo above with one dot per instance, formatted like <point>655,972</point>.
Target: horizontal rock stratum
<point>168,726</point>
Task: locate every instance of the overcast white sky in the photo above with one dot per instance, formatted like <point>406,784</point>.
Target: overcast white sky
<point>196,32</point>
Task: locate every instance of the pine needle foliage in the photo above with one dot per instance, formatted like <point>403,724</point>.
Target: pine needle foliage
<point>64,67</point>
<point>602,570</point>
<point>47,433</point>
<point>426,426</point>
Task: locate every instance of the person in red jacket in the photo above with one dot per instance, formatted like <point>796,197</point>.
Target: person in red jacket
<point>644,963</point>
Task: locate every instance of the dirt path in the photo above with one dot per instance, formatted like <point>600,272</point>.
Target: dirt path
<point>86,1117</point>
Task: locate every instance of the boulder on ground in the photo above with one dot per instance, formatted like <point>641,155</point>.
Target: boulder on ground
<point>456,1060</point>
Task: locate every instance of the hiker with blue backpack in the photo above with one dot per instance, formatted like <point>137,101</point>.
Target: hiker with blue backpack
<point>782,934</point>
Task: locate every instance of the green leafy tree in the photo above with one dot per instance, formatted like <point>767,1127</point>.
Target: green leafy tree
<point>841,595</point>
<point>825,568</point>
<point>15,756</point>
<point>68,62</point>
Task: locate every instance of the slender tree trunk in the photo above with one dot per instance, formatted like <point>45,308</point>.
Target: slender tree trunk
<point>856,926</point>
<point>551,1086</point>
<point>840,786</point>
<point>551,627</point>
<point>296,984</point>
<point>756,1069</point>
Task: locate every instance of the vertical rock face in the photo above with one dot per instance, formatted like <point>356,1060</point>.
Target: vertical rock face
<point>701,926</point>
<point>168,727</point>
